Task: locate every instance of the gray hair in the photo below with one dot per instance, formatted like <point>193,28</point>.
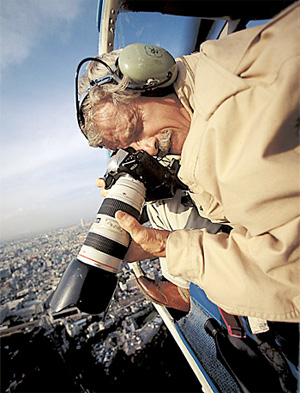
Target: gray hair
<point>121,98</point>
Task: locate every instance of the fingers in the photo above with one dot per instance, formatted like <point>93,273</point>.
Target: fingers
<point>101,184</point>
<point>136,252</point>
<point>129,223</point>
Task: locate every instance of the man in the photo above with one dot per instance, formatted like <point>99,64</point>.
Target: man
<point>233,118</point>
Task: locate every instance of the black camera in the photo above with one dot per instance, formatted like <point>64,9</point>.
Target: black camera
<point>90,279</point>
<point>158,175</point>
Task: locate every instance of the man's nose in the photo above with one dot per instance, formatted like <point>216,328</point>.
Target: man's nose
<point>150,145</point>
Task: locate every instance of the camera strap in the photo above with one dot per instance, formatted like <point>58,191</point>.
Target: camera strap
<point>234,324</point>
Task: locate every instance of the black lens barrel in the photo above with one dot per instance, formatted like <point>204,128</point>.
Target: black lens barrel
<point>106,245</point>
<point>110,206</point>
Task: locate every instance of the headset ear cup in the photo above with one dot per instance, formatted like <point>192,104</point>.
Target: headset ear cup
<point>147,66</point>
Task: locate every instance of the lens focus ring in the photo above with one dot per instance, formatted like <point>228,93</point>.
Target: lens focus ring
<point>105,245</point>
<point>110,206</point>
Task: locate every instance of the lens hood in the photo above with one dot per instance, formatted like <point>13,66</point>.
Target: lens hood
<point>80,286</point>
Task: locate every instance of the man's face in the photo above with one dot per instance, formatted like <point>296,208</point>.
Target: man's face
<point>163,129</point>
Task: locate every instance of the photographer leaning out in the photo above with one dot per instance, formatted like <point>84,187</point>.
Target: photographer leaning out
<point>232,116</point>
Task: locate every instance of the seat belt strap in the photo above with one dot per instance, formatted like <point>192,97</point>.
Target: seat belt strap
<point>234,324</point>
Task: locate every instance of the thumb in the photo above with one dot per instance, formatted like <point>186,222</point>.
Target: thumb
<point>100,182</point>
<point>127,222</point>
<point>147,242</point>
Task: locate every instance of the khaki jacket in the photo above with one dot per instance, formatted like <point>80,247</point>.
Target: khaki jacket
<point>241,163</point>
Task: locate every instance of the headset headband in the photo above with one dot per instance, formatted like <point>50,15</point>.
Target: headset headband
<point>147,67</point>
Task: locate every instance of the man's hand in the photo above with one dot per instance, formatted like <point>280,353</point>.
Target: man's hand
<point>146,242</point>
<point>101,184</point>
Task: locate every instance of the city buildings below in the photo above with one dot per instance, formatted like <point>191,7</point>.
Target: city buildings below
<point>30,271</point>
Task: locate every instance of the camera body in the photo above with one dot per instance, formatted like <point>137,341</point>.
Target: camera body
<point>160,181</point>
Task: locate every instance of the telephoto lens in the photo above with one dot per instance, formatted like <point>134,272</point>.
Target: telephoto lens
<point>90,280</point>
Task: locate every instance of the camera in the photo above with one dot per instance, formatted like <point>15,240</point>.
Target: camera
<point>90,279</point>
<point>159,176</point>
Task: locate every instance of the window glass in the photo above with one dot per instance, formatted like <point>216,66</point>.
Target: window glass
<point>177,34</point>
<point>216,29</point>
<point>256,22</point>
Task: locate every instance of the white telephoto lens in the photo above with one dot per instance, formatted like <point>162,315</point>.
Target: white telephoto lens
<point>106,243</point>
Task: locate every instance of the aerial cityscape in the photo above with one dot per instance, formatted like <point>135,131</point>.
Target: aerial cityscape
<point>89,352</point>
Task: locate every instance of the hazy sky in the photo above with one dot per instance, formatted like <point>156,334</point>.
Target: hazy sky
<point>48,171</point>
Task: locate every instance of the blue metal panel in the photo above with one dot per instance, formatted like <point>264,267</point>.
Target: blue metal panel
<point>211,308</point>
<point>200,297</point>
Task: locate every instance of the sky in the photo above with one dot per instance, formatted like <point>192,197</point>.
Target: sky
<point>47,170</point>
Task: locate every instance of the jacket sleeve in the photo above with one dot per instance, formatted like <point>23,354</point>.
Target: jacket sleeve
<point>245,275</point>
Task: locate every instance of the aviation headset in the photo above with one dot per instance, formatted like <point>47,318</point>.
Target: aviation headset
<point>148,68</point>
